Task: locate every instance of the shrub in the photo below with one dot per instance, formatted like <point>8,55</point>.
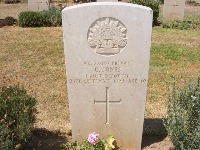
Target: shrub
<point>52,16</point>
<point>161,1</point>
<point>17,115</point>
<point>182,24</point>
<point>11,1</point>
<point>192,3</point>
<point>149,3</point>
<point>183,122</point>
<point>63,1</point>
<point>31,19</point>
<point>10,21</point>
<point>83,1</point>
<point>24,1</point>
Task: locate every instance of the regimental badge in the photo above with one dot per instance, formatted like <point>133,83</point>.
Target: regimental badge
<point>107,36</point>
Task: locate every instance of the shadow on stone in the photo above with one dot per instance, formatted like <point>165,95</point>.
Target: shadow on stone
<point>116,147</point>
<point>153,131</point>
<point>43,139</point>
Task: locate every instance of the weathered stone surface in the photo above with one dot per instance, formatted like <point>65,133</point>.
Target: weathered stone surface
<point>38,5</point>
<point>107,50</point>
<point>173,10</point>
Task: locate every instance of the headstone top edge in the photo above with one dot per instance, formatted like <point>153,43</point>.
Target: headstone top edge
<point>106,4</point>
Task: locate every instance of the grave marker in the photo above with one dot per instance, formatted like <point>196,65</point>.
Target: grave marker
<point>107,60</point>
<point>173,10</point>
<point>38,5</point>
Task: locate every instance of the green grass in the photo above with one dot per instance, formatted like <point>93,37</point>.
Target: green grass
<point>174,53</point>
<point>174,57</point>
<point>36,57</point>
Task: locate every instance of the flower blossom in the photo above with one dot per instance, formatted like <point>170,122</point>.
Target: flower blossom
<point>92,138</point>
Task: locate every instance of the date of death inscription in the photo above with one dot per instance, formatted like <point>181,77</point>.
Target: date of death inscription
<point>99,72</point>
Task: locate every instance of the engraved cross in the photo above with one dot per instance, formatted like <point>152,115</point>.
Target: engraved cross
<point>107,102</point>
<point>175,5</point>
<point>38,2</point>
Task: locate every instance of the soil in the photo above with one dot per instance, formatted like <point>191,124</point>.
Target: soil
<point>46,140</point>
<point>154,137</point>
<point>156,143</point>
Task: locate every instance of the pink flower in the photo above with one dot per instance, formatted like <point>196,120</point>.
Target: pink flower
<point>92,137</point>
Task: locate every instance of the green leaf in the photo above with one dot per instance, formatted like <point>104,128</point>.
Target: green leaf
<point>109,143</point>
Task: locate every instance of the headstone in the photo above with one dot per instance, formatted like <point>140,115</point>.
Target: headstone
<point>38,5</point>
<point>107,50</point>
<point>173,10</point>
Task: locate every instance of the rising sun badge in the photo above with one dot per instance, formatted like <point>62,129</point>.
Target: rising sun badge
<point>107,36</point>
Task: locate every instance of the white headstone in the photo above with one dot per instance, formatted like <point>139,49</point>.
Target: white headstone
<point>38,5</point>
<point>107,50</point>
<point>173,10</point>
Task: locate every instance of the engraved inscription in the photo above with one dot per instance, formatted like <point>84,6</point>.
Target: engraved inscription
<point>107,102</point>
<point>107,72</point>
<point>107,36</point>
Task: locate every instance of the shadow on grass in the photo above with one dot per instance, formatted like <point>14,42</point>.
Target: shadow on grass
<point>43,139</point>
<point>2,23</point>
<point>153,131</point>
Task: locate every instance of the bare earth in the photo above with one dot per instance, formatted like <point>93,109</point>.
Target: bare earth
<point>45,140</point>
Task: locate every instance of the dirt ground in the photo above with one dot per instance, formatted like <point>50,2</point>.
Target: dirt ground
<point>47,140</point>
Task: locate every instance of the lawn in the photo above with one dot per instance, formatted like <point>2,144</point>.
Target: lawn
<point>34,57</point>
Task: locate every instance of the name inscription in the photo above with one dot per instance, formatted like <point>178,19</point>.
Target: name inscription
<point>107,72</point>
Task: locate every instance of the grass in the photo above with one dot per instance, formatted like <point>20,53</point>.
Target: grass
<point>12,9</point>
<point>174,57</point>
<point>38,62</point>
<point>35,58</point>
